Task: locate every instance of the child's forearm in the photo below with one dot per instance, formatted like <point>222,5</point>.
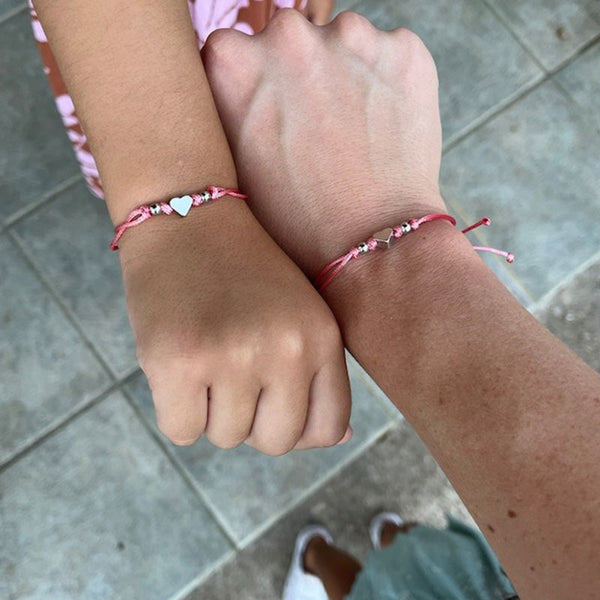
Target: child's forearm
<point>135,75</point>
<point>510,413</point>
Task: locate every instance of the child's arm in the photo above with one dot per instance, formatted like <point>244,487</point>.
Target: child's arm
<point>510,413</point>
<point>221,316</point>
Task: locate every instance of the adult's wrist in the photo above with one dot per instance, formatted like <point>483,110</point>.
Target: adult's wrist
<point>421,289</point>
<point>355,224</point>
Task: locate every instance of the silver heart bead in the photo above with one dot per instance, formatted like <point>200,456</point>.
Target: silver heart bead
<point>384,237</point>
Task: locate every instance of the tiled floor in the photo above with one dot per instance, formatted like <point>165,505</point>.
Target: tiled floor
<point>93,502</point>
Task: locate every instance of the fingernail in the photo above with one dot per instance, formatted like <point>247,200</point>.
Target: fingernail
<point>347,436</point>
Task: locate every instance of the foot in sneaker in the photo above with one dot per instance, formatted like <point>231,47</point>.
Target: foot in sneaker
<point>378,522</point>
<point>299,584</point>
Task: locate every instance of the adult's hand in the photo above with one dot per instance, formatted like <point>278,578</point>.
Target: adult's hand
<point>363,148</point>
<point>335,130</point>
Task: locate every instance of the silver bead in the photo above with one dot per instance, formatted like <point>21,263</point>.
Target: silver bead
<point>155,209</point>
<point>205,196</point>
<point>406,228</point>
<point>363,248</point>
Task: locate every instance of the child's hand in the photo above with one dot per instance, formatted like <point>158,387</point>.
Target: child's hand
<point>235,342</point>
<point>319,12</point>
<point>335,135</point>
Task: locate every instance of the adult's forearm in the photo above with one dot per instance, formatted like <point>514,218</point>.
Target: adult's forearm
<point>135,75</point>
<point>512,416</point>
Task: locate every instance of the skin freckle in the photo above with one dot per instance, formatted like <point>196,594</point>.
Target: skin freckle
<point>512,514</point>
<point>491,528</point>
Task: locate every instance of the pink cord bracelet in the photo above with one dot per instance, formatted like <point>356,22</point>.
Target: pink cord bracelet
<point>384,238</point>
<point>180,205</point>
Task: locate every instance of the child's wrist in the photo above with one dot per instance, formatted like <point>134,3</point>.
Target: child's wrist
<point>155,184</point>
<point>197,232</point>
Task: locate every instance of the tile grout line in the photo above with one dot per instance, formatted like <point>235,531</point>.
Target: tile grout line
<point>576,54</point>
<point>72,318</point>
<point>506,24</point>
<point>544,302</point>
<point>57,427</point>
<point>181,470</point>
<point>352,7</point>
<point>495,111</point>
<point>113,382</point>
<point>340,466</point>
<point>267,525</point>
<point>195,583</point>
<point>525,90</point>
<point>564,89</point>
<point>13,12</point>
<point>46,199</point>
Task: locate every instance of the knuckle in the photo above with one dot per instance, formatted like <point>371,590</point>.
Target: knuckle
<point>409,37</point>
<point>179,436</point>
<point>352,23</point>
<point>162,372</point>
<point>276,447</point>
<point>287,20</point>
<point>275,450</point>
<point>331,435</point>
<point>291,345</point>
<point>241,352</point>
<point>412,43</point>
<point>418,64</point>
<point>226,441</point>
<point>295,39</point>
<point>219,48</point>
<point>330,334</point>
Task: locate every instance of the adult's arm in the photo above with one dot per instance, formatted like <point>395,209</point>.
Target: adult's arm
<point>343,139</point>
<point>511,414</point>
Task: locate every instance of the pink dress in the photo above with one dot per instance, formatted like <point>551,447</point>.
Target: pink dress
<point>249,16</point>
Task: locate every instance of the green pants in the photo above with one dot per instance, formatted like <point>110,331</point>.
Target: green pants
<point>434,564</point>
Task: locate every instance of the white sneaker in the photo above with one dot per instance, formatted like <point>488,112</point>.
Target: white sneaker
<point>377,524</point>
<point>300,585</point>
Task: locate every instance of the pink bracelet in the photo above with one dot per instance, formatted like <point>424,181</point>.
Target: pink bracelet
<point>180,205</point>
<point>383,239</point>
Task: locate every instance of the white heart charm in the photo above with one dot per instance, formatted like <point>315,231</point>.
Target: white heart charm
<point>181,205</point>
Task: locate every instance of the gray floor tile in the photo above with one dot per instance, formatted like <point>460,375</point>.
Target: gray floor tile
<point>246,488</point>
<point>535,169</point>
<point>98,512</point>
<point>593,8</point>
<point>46,371</point>
<point>8,7</point>
<point>552,30</point>
<point>68,238</point>
<point>573,314</point>
<point>480,64</point>
<point>581,80</point>
<point>397,474</point>
<point>341,5</point>
<point>40,155</point>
